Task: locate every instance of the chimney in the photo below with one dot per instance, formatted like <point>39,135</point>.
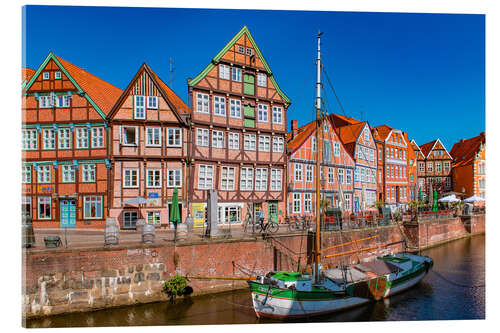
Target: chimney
<point>294,128</point>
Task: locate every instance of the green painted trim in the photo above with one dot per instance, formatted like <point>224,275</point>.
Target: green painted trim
<point>314,295</point>
<point>61,67</point>
<point>219,55</point>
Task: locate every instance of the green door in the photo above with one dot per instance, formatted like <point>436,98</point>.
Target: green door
<point>273,211</point>
<point>249,84</point>
<point>249,113</point>
<point>68,213</point>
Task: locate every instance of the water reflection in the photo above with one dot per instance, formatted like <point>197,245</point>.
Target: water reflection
<point>461,261</point>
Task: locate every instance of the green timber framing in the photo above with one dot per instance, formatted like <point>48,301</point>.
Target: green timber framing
<point>219,55</point>
<point>51,56</point>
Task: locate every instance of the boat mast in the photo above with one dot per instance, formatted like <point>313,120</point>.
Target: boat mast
<point>319,149</point>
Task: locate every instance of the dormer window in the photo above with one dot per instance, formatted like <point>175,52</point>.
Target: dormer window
<point>57,75</point>
<point>46,75</point>
<point>152,102</point>
<point>139,110</point>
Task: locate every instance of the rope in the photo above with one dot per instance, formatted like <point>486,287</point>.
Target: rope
<point>457,284</point>
<point>243,269</point>
<point>277,241</point>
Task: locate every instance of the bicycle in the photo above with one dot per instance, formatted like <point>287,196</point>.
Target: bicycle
<point>298,225</point>
<point>271,227</point>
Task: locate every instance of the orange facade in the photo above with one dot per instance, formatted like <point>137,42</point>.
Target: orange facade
<point>148,147</point>
<point>337,171</point>
<point>238,116</point>
<point>65,165</point>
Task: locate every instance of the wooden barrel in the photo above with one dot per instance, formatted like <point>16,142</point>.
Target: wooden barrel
<point>148,233</point>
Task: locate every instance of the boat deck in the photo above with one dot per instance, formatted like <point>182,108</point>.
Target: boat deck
<point>353,275</point>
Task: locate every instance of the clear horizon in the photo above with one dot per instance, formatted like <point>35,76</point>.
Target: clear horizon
<point>421,73</point>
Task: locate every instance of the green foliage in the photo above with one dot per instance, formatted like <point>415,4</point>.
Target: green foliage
<point>379,204</point>
<point>175,286</point>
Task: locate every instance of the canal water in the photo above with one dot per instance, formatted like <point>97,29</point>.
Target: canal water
<point>453,290</point>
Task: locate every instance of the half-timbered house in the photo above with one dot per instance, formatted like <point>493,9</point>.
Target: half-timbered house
<point>148,147</point>
<point>238,115</point>
<point>64,143</point>
<point>337,170</point>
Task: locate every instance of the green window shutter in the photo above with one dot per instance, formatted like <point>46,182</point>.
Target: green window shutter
<point>249,84</point>
<point>249,123</point>
<point>249,111</point>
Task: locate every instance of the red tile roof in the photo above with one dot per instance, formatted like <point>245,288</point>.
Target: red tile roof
<point>411,153</point>
<point>464,151</point>
<point>27,73</point>
<point>426,147</point>
<point>104,94</point>
<point>340,120</point>
<point>350,133</point>
<point>382,131</point>
<point>172,96</point>
<point>302,134</point>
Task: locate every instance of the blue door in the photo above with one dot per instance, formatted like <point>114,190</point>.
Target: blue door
<point>68,213</point>
<point>356,204</point>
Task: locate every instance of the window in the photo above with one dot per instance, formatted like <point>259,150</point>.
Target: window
<point>224,71</point>
<point>298,172</point>
<point>480,168</point>
<point>63,101</point>
<point>367,134</point>
<point>129,220</point>
<point>260,179</point>
<point>327,151</point>
<point>264,143</point>
<point>307,202</point>
<point>341,176</point>
<point>88,173</point>
<point>64,138</point>
<point>227,178</point>
<point>234,141</point>
<point>129,135</point>
<point>174,137</point>
<point>421,167</point>
<point>153,178</point>
<point>229,214</point>
<point>153,136</point>
<point>154,218</point>
<point>82,137</point>
<point>347,202</point>
<point>336,149</point>
<point>202,104</point>
<point>97,137</point>
<point>26,174</point>
<point>446,166</point>
<point>26,209</point>
<point>438,166</point>
<point>241,49</point>
<point>331,175</point>
<point>43,174</point>
<point>130,177</point>
<point>262,113</point>
<point>235,108</point>
<point>236,74</point>
<point>482,183</point>
<point>372,155</point>
<point>380,176</point>
<point>411,178</point>
<point>57,75</point>
<point>45,101</point>
<point>404,154</point>
<point>174,178</point>
<point>49,139</point>
<point>217,139</point>
<point>46,75</point>
<point>92,207</point>
<point>249,142</point>
<point>349,176</point>
<point>29,139</point>
<point>139,109</point>
<point>357,174</point>
<point>205,177</point>
<point>202,137</point>
<point>249,51</point>
<point>309,173</point>
<point>276,179</point>
<point>219,106</point>
<point>392,171</point>
<point>68,174</point>
<point>313,144</point>
<point>261,80</point>
<point>152,102</point>
<point>429,167</point>
<point>278,144</point>
<point>296,203</point>
<point>277,115</point>
<point>44,208</point>
<point>246,179</point>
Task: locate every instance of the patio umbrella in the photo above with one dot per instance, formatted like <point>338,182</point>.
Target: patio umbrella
<point>449,198</point>
<point>175,216</point>
<point>435,205</point>
<point>420,194</point>
<point>474,198</point>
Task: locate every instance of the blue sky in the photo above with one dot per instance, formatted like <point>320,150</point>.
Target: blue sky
<point>421,73</point>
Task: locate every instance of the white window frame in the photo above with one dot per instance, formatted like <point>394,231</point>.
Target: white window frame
<point>263,113</point>
<point>44,174</point>
<point>97,137</point>
<point>128,177</point>
<point>63,101</point>
<point>218,139</point>
<point>227,178</point>
<point>278,144</point>
<point>88,173</point>
<point>276,179</point>
<point>153,217</point>
<point>44,201</point>
<point>139,107</point>
<point>331,175</point>
<point>64,136</point>
<point>26,174</point>
<point>313,144</point>
<point>152,102</point>
<point>123,136</point>
<point>202,103</point>
<point>153,178</point>
<point>277,115</point>
<point>174,137</point>
<point>130,216</point>
<point>261,79</point>
<point>250,142</point>
<point>82,137</point>
<point>309,173</point>
<point>246,179</point>
<point>205,176</point>
<point>297,176</point>
<point>46,76</point>
<point>446,166</point>
<point>219,106</point>
<point>30,139</point>
<point>88,202</point>
<point>264,143</point>
<point>174,178</point>
<point>296,203</point>
<point>68,173</point>
<point>341,176</point>
<point>236,74</point>
<point>224,71</point>
<point>261,179</point>
<point>235,108</point>
<point>307,202</point>
<point>153,134</point>
<point>336,149</point>
<point>57,75</point>
<point>45,102</point>
<point>27,201</point>
<point>202,137</point>
<point>234,141</point>
<point>347,201</point>
<point>348,176</point>
<point>49,138</point>
<point>430,167</point>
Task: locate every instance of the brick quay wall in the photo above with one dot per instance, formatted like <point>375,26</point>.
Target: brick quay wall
<point>63,281</point>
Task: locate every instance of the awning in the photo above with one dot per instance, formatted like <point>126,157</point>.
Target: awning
<point>137,201</point>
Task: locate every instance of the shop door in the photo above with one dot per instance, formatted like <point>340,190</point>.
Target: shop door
<point>68,213</point>
<point>273,211</point>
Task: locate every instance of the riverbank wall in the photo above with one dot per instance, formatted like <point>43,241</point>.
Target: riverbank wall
<point>60,281</point>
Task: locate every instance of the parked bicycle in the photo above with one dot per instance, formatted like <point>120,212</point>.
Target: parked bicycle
<point>299,225</point>
<point>269,227</point>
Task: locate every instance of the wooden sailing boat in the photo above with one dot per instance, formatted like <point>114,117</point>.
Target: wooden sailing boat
<point>293,294</point>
